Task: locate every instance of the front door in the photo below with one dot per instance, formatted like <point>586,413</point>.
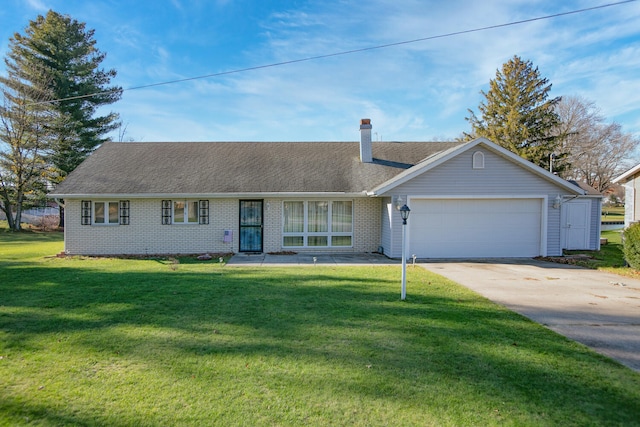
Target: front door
<point>250,225</point>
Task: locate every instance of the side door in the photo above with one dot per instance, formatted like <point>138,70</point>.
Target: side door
<point>576,224</point>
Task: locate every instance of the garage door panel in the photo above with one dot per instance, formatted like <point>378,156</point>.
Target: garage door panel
<point>453,228</point>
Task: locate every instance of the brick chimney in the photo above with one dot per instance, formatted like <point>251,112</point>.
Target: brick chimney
<point>366,152</point>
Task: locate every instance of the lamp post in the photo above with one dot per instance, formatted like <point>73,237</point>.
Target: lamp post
<point>404,213</point>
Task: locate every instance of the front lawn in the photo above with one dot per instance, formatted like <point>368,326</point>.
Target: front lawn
<point>158,342</point>
<point>609,258</point>
<point>612,213</point>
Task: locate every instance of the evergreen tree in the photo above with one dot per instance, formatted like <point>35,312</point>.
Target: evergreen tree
<point>57,60</point>
<point>518,115</point>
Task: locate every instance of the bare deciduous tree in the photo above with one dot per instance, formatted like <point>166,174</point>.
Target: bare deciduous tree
<point>598,151</point>
<point>22,149</point>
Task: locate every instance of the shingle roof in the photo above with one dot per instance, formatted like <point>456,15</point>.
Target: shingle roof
<point>588,190</point>
<point>147,168</point>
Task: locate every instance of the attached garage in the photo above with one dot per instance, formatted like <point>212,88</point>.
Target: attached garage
<point>479,200</point>
<point>476,227</point>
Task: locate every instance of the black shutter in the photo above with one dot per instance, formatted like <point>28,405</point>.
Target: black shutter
<point>124,212</point>
<point>85,216</point>
<point>203,213</point>
<point>166,212</point>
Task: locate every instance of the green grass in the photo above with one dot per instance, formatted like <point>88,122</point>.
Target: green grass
<point>612,213</point>
<point>118,342</point>
<point>609,258</point>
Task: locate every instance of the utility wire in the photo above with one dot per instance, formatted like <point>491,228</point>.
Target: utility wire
<point>346,52</point>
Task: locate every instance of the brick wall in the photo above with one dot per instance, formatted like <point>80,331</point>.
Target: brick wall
<point>146,235</point>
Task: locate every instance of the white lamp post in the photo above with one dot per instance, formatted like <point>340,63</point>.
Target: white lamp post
<point>404,213</point>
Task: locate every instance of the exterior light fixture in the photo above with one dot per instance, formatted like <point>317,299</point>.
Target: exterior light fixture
<point>557,202</point>
<point>398,202</point>
<point>404,213</point>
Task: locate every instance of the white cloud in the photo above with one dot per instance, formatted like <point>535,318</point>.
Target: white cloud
<point>411,91</point>
<point>38,5</point>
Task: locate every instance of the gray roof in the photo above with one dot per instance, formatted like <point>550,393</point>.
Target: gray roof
<point>218,168</point>
<point>588,190</point>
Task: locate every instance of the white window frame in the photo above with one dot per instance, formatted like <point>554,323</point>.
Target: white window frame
<point>188,204</point>
<point>306,234</point>
<point>107,218</point>
<point>478,160</point>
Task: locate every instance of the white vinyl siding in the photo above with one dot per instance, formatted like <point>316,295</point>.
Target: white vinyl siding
<point>500,177</point>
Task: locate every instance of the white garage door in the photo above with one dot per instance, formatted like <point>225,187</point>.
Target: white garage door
<point>475,228</point>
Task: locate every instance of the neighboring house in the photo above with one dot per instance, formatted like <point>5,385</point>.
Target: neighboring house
<point>630,180</point>
<point>471,199</point>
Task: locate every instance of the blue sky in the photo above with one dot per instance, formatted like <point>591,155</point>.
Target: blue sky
<point>411,92</point>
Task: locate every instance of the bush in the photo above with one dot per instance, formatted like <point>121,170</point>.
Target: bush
<point>48,222</point>
<point>631,245</point>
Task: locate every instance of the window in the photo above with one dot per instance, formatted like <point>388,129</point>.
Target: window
<point>478,160</point>
<point>294,218</point>
<point>316,223</point>
<point>185,212</point>
<point>106,213</point>
<point>341,223</point>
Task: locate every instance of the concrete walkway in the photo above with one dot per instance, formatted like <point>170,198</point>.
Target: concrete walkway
<point>268,260</point>
<point>600,310</point>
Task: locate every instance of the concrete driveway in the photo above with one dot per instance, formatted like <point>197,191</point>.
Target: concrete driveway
<point>598,309</point>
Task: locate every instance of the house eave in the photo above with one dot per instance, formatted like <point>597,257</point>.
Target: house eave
<point>627,176</point>
<point>248,195</point>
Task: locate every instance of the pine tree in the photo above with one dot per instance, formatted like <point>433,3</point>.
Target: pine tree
<point>56,59</point>
<point>518,115</point>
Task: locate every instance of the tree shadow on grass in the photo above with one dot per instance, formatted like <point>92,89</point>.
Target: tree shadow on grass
<point>345,318</point>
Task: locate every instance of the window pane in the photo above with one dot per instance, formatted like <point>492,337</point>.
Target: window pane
<point>251,212</point>
<point>317,241</point>
<point>341,241</point>
<point>293,218</point>
<point>193,211</point>
<point>113,213</point>
<point>99,213</point>
<point>318,213</point>
<point>293,241</point>
<point>178,211</point>
<point>341,217</point>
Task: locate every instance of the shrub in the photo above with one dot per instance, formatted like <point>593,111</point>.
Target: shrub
<point>631,245</point>
<point>48,222</point>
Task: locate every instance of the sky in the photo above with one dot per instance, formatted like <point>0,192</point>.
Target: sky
<point>417,91</point>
